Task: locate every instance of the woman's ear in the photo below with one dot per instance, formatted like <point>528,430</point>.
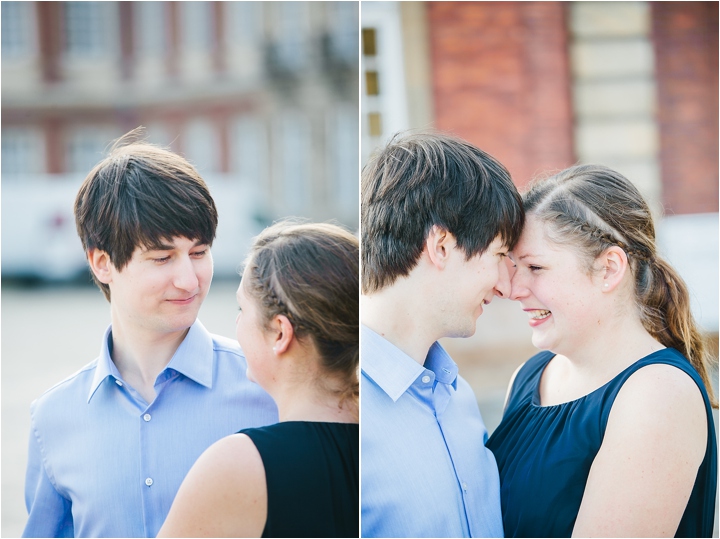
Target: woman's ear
<point>439,244</point>
<point>100,265</point>
<point>284,333</point>
<point>615,263</point>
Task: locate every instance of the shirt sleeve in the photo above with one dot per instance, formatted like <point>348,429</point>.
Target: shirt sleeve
<point>49,513</point>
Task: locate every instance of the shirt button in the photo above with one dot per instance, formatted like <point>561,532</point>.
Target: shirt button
<point>425,379</point>
<point>118,382</point>
<point>464,486</point>
<point>147,417</point>
<point>148,481</point>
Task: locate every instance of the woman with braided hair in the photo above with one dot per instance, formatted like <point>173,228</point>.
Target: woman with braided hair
<point>298,327</point>
<point>608,432</point>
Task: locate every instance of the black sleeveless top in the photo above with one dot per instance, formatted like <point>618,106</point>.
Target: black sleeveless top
<point>544,453</point>
<point>311,470</point>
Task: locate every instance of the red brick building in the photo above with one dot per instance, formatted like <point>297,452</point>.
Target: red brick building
<point>534,84</point>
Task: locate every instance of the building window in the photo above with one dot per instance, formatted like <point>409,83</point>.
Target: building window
<point>343,26</point>
<point>22,151</point>
<point>246,22</point>
<point>197,25</point>
<point>343,149</point>
<point>17,24</point>
<point>294,152</point>
<point>371,83</point>
<point>86,29</point>
<point>151,27</point>
<point>383,98</point>
<point>369,42</point>
<point>249,141</point>
<point>291,38</point>
<point>156,132</point>
<point>201,146</point>
<point>371,86</point>
<point>86,147</point>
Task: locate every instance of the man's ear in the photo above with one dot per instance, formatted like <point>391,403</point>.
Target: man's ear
<point>100,265</point>
<point>439,245</point>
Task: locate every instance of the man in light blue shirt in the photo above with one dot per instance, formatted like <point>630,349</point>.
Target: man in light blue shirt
<point>111,444</point>
<point>438,217</point>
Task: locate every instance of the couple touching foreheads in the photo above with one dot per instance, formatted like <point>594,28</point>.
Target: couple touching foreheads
<point>607,431</point>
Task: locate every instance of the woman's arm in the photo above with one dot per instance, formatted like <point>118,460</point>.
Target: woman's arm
<point>642,477</point>
<point>223,495</point>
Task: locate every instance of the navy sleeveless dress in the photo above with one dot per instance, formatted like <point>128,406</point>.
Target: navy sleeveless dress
<point>311,471</point>
<point>544,453</point>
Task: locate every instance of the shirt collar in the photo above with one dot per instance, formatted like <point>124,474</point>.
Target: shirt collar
<point>193,358</point>
<point>440,362</point>
<point>394,371</point>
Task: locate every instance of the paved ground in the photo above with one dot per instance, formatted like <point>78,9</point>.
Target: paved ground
<point>50,332</point>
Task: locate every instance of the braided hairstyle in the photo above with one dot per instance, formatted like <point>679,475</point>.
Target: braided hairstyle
<point>309,272</point>
<point>591,208</point>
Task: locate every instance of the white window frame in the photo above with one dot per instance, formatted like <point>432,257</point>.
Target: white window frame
<point>293,150</point>
<point>201,145</point>
<point>86,146</point>
<point>19,34</point>
<point>150,27</point>
<point>342,150</point>
<point>23,151</point>
<point>92,37</point>
<point>250,150</point>
<point>343,28</point>
<point>244,23</point>
<point>196,22</point>
<point>384,17</point>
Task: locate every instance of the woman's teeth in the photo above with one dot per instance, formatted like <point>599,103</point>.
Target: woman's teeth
<point>538,315</point>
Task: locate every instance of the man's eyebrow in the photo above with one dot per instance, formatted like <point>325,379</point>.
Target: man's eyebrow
<point>169,247</point>
<point>159,247</point>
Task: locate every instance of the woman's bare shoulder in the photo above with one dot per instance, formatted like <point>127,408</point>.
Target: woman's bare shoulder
<point>652,447</point>
<point>224,494</point>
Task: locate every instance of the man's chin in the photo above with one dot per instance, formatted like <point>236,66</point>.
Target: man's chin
<point>180,323</point>
<point>463,332</point>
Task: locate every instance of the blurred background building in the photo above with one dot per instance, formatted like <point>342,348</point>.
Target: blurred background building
<point>261,97</point>
<point>545,85</point>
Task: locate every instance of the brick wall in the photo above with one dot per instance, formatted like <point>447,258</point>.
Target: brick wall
<point>686,50</point>
<point>501,81</point>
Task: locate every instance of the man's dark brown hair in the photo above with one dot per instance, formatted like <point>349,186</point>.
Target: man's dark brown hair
<point>142,195</point>
<point>426,179</point>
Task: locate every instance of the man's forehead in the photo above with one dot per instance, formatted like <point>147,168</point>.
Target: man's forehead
<point>167,244</point>
<point>498,243</point>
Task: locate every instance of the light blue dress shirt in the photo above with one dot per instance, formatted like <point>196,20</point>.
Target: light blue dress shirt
<point>105,463</point>
<point>425,469</point>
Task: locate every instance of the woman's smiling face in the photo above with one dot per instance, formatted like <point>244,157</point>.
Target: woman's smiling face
<point>551,282</point>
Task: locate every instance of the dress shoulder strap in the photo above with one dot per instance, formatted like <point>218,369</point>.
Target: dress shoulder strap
<point>666,356</point>
<point>527,378</point>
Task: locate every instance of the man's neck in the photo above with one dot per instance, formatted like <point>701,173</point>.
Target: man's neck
<point>401,318</point>
<point>141,355</point>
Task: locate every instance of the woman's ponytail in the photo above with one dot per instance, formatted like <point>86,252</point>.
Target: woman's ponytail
<point>664,304</point>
